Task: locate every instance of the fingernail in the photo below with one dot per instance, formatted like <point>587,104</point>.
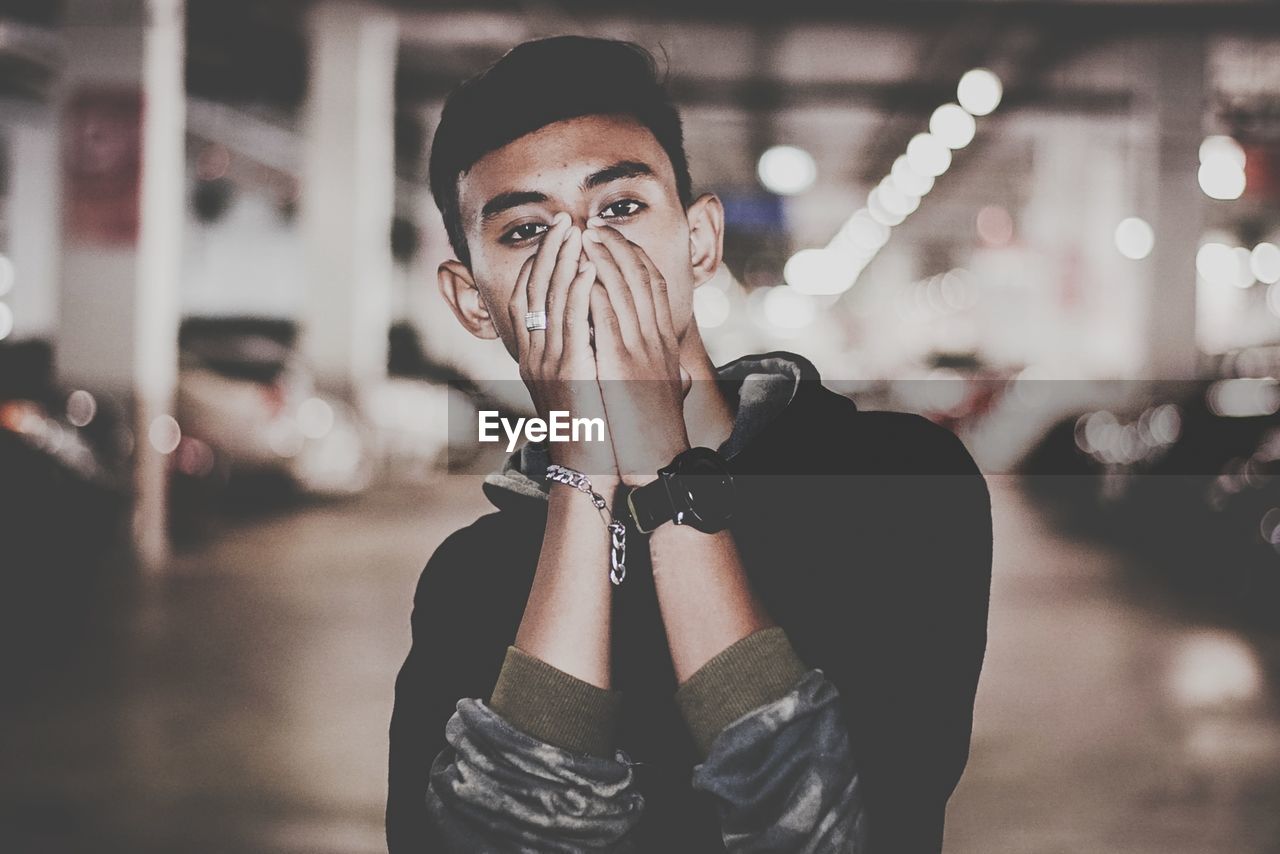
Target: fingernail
<point>595,222</point>
<point>560,218</point>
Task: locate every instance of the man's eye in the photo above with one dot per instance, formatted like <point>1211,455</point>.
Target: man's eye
<point>621,208</point>
<point>521,233</point>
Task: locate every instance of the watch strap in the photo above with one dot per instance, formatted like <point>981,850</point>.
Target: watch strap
<point>650,505</point>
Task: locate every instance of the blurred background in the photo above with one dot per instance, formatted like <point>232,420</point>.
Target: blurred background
<point>227,379</point>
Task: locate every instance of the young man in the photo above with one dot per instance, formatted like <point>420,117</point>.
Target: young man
<point>790,660</point>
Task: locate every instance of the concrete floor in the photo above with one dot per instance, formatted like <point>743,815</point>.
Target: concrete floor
<point>240,705</point>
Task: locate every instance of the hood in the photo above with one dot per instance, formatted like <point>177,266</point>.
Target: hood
<point>764,384</point>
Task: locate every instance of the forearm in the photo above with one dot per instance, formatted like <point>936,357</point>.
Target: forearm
<point>776,749</point>
<point>704,596</point>
<point>567,618</point>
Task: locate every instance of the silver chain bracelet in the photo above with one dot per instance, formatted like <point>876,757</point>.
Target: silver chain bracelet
<point>617,530</point>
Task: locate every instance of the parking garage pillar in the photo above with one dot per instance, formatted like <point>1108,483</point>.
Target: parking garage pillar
<point>1175,205</point>
<point>34,225</point>
<point>122,104</point>
<point>348,198</point>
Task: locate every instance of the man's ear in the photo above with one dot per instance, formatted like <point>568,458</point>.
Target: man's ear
<point>458,287</point>
<point>706,237</point>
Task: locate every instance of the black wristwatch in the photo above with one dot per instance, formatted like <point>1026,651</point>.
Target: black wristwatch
<point>695,489</point>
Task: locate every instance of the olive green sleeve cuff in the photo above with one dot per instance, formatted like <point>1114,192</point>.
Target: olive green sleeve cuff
<point>555,707</point>
<point>756,670</point>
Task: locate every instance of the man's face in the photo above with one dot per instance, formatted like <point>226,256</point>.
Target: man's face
<point>594,166</point>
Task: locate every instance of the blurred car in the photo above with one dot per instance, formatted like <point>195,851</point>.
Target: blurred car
<point>1189,480</point>
<point>1244,507</point>
<point>425,414</point>
<point>249,408</point>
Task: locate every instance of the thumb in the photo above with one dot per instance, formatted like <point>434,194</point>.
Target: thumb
<point>686,381</point>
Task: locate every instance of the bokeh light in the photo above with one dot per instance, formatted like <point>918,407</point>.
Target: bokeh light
<point>927,155</point>
<point>1221,173</point>
<point>315,418</point>
<point>979,91</point>
<point>710,307</point>
<point>863,233</point>
<point>995,226</point>
<point>951,124</point>
<point>816,271</point>
<point>787,170</point>
<point>1264,262</point>
<point>1216,263</point>
<point>908,179</point>
<point>164,434</point>
<point>895,200</point>
<point>880,212</point>
<point>1134,238</point>
<point>1243,268</point>
<point>1224,148</point>
<point>81,407</point>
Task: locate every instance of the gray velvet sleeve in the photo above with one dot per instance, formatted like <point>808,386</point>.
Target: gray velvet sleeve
<point>784,776</point>
<point>495,788</point>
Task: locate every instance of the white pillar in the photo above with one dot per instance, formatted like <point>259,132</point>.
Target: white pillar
<point>1175,204</point>
<point>34,227</point>
<point>122,181</point>
<point>1086,310</point>
<point>348,187</point>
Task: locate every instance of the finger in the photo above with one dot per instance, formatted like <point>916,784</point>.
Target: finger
<point>604,317</point>
<point>544,261</point>
<point>516,306</point>
<point>616,287</point>
<point>634,273</point>
<point>562,276</point>
<point>577,313</point>
<point>661,296</point>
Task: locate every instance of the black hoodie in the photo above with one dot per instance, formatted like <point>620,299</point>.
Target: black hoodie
<point>866,535</point>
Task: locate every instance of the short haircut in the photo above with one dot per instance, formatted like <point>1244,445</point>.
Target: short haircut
<point>536,84</point>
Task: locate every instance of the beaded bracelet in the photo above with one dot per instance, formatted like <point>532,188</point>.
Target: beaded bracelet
<point>617,530</point>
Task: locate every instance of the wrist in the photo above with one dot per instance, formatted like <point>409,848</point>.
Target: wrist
<point>646,471</point>
<point>597,463</point>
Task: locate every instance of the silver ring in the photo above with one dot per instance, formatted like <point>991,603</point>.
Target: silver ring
<point>535,320</point>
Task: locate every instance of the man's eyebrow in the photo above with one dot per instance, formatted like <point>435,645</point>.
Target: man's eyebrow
<point>507,201</point>
<point>514,198</point>
<point>616,172</point>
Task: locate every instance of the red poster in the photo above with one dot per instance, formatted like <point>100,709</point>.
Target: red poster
<point>104,166</point>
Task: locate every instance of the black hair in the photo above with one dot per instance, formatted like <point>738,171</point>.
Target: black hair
<point>540,82</point>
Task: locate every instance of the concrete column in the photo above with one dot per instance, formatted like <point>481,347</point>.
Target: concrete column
<point>348,186</point>
<point>123,110</point>
<point>1083,305</point>
<point>1175,204</point>
<point>34,225</point>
